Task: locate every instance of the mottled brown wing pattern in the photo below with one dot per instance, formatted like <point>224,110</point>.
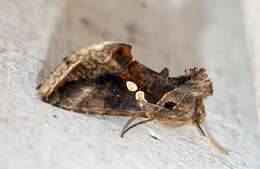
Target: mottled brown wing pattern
<point>87,63</point>
<point>105,79</point>
<point>96,77</point>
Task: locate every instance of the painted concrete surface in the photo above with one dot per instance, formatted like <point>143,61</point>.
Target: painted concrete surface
<point>251,10</point>
<point>36,35</point>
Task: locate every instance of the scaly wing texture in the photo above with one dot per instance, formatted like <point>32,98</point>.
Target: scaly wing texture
<point>93,80</point>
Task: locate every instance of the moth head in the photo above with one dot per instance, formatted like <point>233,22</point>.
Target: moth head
<point>186,100</point>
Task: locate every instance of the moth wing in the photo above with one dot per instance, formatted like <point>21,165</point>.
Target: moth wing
<point>87,64</point>
<point>96,78</point>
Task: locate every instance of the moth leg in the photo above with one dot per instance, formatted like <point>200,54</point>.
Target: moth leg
<point>216,147</point>
<point>128,123</point>
<point>134,125</point>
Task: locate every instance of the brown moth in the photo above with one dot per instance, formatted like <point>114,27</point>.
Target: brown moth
<point>105,79</point>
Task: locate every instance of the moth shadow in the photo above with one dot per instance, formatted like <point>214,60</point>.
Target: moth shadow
<point>163,33</point>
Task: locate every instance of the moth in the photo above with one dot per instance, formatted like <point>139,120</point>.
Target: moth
<point>105,79</point>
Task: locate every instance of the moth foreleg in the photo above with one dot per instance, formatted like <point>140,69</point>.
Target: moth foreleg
<point>128,123</point>
<point>134,125</point>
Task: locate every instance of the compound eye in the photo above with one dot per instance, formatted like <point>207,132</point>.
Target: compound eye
<point>170,105</point>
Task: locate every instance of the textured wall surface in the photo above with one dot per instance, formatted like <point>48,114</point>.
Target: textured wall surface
<point>251,10</point>
<point>36,34</point>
